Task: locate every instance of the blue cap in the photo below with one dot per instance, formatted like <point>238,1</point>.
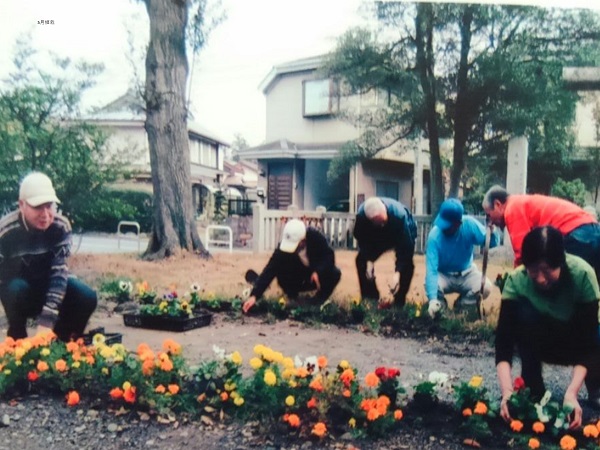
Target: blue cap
<point>451,212</point>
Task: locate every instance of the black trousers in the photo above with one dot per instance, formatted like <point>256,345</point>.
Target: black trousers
<point>294,283</point>
<point>540,340</point>
<point>368,288</point>
<point>22,300</point>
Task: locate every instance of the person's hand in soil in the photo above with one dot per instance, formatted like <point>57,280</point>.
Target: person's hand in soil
<point>576,416</point>
<point>248,304</point>
<point>314,278</point>
<point>504,412</point>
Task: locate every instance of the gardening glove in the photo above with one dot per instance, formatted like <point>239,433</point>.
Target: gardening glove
<point>395,284</point>
<point>370,273</point>
<point>435,306</point>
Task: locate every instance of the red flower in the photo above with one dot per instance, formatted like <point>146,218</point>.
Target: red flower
<point>393,372</point>
<point>380,372</point>
<point>33,375</point>
<point>519,384</point>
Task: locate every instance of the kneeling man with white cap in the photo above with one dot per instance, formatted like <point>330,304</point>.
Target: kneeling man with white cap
<point>303,261</point>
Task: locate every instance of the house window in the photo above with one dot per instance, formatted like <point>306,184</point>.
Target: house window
<point>387,189</point>
<point>319,98</point>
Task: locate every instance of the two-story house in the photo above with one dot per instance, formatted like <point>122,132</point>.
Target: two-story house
<point>304,134</point>
<point>123,119</point>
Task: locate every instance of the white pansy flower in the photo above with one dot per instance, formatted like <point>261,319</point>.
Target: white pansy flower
<point>125,286</point>
<point>219,352</point>
<point>438,378</point>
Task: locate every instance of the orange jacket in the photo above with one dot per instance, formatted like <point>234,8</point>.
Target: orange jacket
<point>524,212</point>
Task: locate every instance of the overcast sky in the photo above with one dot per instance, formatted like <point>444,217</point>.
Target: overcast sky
<point>257,35</point>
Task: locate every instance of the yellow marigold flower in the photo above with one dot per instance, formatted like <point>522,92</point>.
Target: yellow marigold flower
<point>163,305</point>
<point>352,422</point>
<point>107,352</point>
<point>98,339</point>
<point>590,431</point>
<point>7,372</point>
<point>270,378</point>
<point>568,442</point>
<point>288,373</point>
<point>256,363</point>
<point>76,365</point>
<point>239,401</point>
<point>322,362</point>
<point>344,364</point>
<point>516,425</point>
<point>356,300</point>
<point>290,400</point>
<point>236,358</point>
<point>292,383</point>
<point>319,429</point>
<point>467,412</point>
<point>234,394</point>
<point>126,385</point>
<point>259,349</point>
<point>277,357</point>
<point>229,386</point>
<point>480,408</point>
<point>105,371</point>
<point>282,301</point>
<point>476,381</point>
<point>18,363</point>
<point>533,443</point>
<point>20,352</point>
<point>371,379</point>
<point>288,363</point>
<point>538,427</point>
<point>45,352</point>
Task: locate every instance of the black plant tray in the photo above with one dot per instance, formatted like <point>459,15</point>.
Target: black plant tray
<point>109,338</point>
<point>165,323</point>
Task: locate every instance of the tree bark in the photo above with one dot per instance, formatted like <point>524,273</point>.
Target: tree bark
<point>425,69</point>
<point>174,226</point>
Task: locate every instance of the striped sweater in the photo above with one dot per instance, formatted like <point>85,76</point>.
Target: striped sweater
<point>40,257</point>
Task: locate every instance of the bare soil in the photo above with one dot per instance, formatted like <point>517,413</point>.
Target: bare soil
<point>35,423</point>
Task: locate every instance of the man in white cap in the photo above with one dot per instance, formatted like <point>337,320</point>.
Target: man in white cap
<point>384,224</point>
<point>35,243</point>
<point>303,261</point>
<point>449,258</point>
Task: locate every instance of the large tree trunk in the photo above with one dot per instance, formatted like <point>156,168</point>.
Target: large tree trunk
<point>174,227</point>
<point>425,69</point>
<point>463,113</point>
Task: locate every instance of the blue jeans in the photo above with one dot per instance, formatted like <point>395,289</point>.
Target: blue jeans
<point>22,300</point>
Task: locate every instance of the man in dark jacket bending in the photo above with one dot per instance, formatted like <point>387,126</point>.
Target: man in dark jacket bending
<point>303,261</point>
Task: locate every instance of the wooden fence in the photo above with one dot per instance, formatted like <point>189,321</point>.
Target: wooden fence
<point>337,227</point>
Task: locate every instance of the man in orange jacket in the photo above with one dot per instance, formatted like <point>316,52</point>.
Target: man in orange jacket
<point>521,213</point>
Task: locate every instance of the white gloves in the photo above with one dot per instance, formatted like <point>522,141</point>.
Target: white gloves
<point>395,284</point>
<point>370,273</point>
<point>435,306</point>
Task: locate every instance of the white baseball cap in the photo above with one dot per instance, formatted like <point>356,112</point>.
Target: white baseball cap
<point>36,189</point>
<point>293,232</point>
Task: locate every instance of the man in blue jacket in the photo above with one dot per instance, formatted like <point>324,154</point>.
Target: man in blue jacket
<point>303,261</point>
<point>384,224</point>
<point>449,258</point>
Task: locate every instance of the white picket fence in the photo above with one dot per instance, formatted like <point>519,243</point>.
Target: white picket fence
<point>337,227</point>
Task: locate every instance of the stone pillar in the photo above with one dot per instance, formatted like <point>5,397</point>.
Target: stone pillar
<point>516,170</point>
<point>258,228</point>
<point>418,199</point>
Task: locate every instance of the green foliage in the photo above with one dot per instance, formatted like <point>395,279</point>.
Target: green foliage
<point>573,190</point>
<point>41,129</point>
<point>108,207</point>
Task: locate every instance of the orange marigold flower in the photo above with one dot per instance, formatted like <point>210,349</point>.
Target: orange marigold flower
<point>166,364</point>
<point>316,385</point>
<point>72,398</point>
<point>293,420</point>
<point>371,379</point>
<point>72,346</point>
<point>538,427</point>
<point>368,404</point>
<point>319,429</point>
<point>160,389</point>
<point>321,362</point>
<point>467,412</point>
<point>383,400</point>
<point>398,414</point>
<point>373,414</point>
<point>346,393</point>
<point>591,431</point>
<point>60,365</point>
<point>480,408</point>
<point>312,403</point>
<point>224,396</point>
<point>129,395</point>
<point>201,397</point>
<point>33,376</point>
<point>172,347</point>
<point>347,377</point>
<point>173,388</point>
<point>301,372</point>
<point>568,442</point>
<point>42,366</point>
<point>90,360</point>
<point>143,348</point>
<point>116,393</point>
<point>533,443</point>
<point>148,367</point>
<point>516,425</point>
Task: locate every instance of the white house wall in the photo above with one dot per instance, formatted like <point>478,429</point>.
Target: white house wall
<point>131,141</point>
<point>283,121</point>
